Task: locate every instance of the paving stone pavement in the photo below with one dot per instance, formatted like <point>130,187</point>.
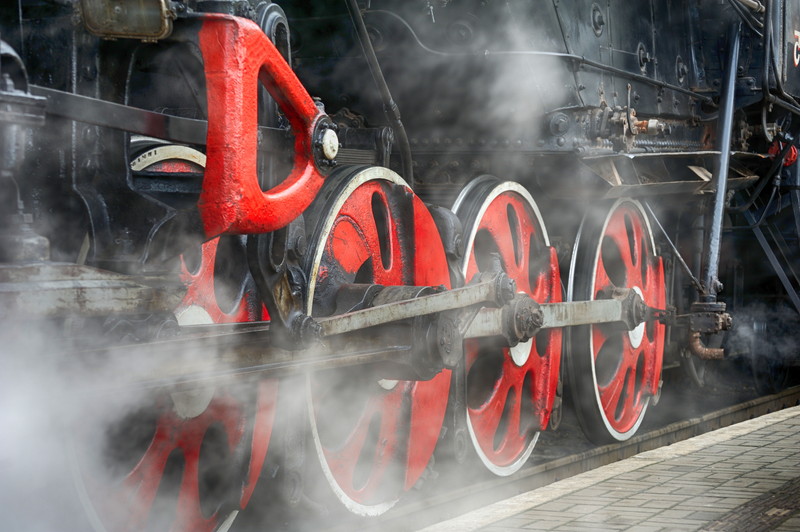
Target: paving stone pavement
<point>745,477</point>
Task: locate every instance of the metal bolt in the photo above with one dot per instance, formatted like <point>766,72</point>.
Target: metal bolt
<point>330,144</point>
<point>300,245</point>
<point>458,247</point>
<point>506,288</point>
<point>559,124</point>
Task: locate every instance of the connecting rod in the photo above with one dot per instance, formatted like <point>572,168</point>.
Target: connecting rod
<point>487,308</point>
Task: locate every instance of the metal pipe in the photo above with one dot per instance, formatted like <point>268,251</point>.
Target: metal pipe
<point>701,351</point>
<point>389,106</point>
<point>774,171</point>
<point>698,245</point>
<point>711,281</point>
<point>774,261</point>
<point>753,5</point>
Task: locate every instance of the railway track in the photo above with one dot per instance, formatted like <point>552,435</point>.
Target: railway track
<point>553,462</point>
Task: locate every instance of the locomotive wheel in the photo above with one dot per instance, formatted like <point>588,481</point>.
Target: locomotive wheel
<point>613,374</point>
<point>510,391</point>
<point>190,459</point>
<point>374,437</point>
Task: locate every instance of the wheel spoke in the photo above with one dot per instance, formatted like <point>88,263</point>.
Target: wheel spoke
<point>538,272</point>
<point>603,282</point>
<point>488,414</point>
<point>370,215</point>
<point>632,399</point>
<point>611,395</point>
<point>502,223</point>
<point>383,412</point>
<point>348,251</point>
<point>600,339</point>
<point>141,484</point>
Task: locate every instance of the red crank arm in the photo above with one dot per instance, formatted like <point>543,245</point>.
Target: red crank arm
<point>237,55</point>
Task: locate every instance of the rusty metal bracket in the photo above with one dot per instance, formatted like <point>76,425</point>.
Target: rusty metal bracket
<point>698,349</point>
<point>707,318</point>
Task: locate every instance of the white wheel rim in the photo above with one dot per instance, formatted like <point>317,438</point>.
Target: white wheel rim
<point>619,436</point>
<point>521,352</point>
<point>374,173</point>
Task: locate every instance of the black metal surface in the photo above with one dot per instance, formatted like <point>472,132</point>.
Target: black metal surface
<point>775,262</point>
<point>390,108</point>
<point>138,121</point>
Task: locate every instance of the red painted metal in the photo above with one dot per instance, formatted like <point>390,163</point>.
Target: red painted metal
<point>173,434</point>
<point>791,156</point>
<point>132,504</point>
<point>237,55</point>
<point>507,410</point>
<point>185,436</point>
<point>369,434</point>
<point>200,290</point>
<point>627,374</point>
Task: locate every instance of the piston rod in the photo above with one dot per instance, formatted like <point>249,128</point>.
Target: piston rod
<point>625,308</point>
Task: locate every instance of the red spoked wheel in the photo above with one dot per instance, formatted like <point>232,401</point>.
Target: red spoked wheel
<point>613,374</point>
<point>510,391</point>
<point>374,437</point>
<point>189,459</point>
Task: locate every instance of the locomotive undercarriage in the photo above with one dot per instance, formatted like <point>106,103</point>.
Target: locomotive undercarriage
<point>380,317</point>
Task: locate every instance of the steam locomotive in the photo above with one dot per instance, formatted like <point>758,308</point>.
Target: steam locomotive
<point>326,240</point>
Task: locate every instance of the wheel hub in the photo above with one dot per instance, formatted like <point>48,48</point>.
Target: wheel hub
<point>636,334</point>
<point>521,352</point>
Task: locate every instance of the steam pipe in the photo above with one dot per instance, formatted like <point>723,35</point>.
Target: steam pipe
<point>723,165</point>
<point>701,351</point>
<point>389,106</point>
<point>753,5</point>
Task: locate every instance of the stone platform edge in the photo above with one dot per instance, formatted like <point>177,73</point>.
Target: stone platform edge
<point>498,511</point>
